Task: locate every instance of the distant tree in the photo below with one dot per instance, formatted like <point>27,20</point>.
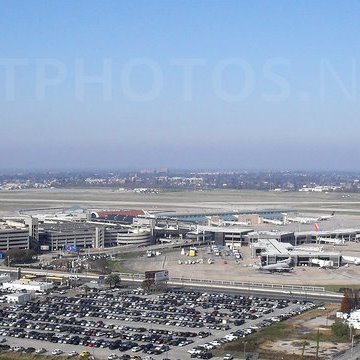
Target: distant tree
<point>113,280</point>
<point>346,303</point>
<point>356,299</point>
<point>86,289</point>
<point>34,245</point>
<point>116,280</point>
<point>340,329</point>
<point>19,256</point>
<point>147,284</point>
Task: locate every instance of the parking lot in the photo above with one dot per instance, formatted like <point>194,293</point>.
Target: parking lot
<point>121,323</point>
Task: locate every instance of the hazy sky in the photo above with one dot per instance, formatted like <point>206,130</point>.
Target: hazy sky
<point>181,84</point>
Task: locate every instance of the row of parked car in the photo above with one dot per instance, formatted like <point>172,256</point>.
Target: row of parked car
<point>119,320</point>
<point>49,320</point>
<point>204,351</point>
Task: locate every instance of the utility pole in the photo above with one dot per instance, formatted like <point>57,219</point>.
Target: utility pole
<point>317,344</point>
<point>303,350</point>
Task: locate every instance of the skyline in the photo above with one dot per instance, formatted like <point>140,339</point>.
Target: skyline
<point>203,84</point>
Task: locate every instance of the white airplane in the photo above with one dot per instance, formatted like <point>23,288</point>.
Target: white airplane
<point>280,266</point>
<point>310,220</point>
<point>351,260</point>
<point>330,241</point>
<point>273,222</point>
<point>225,223</point>
<point>323,263</point>
<point>221,222</point>
<point>302,220</point>
<point>326,217</point>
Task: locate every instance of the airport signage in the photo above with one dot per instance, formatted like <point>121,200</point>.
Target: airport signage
<point>157,275</point>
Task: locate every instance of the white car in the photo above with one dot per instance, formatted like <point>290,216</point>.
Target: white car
<point>136,349</point>
<point>215,343</point>
<point>112,357</point>
<point>40,351</point>
<point>57,352</point>
<point>228,357</point>
<point>72,353</point>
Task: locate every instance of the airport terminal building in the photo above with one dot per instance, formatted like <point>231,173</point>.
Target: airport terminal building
<point>272,251</point>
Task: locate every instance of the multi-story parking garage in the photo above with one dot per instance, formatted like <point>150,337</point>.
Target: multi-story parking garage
<point>87,235</point>
<point>14,235</point>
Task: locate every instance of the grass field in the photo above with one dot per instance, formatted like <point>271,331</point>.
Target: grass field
<point>118,266</point>
<point>338,288</point>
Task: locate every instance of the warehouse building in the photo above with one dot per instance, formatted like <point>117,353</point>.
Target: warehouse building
<point>18,298</point>
<point>19,285</point>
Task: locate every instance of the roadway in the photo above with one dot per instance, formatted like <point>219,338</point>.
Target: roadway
<point>309,293</point>
<point>351,354</point>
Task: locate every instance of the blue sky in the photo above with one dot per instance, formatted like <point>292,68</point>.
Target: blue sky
<point>181,84</point>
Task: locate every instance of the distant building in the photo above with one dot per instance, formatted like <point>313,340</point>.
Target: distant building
<point>13,235</point>
<point>28,285</point>
<point>125,216</point>
<point>354,319</point>
<point>33,226</point>
<point>225,235</point>
<point>135,237</point>
<point>281,236</point>
<point>4,278</point>
<point>272,251</point>
<point>18,298</point>
<point>250,219</point>
<point>62,235</point>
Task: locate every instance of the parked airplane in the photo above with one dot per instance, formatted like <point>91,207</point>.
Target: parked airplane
<point>323,263</point>
<point>336,241</point>
<point>222,222</point>
<point>351,260</point>
<point>231,223</point>
<point>326,217</point>
<point>273,222</point>
<point>310,220</point>
<point>280,266</point>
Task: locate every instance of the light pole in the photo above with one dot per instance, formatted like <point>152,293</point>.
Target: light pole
<point>352,341</point>
<point>245,342</point>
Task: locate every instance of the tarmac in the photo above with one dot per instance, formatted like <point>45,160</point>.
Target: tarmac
<point>12,201</point>
<point>227,268</point>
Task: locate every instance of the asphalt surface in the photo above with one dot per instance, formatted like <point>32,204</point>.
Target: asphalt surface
<point>351,354</point>
<point>175,352</point>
